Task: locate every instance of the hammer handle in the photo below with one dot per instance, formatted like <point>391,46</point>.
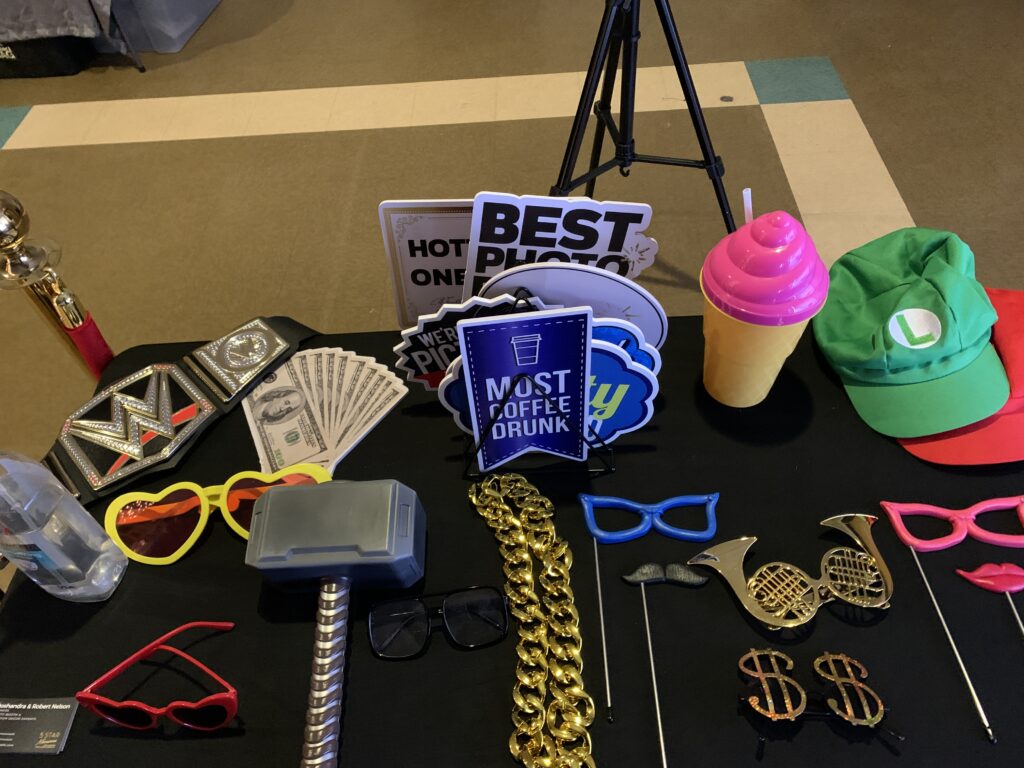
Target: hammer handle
<point>323,715</point>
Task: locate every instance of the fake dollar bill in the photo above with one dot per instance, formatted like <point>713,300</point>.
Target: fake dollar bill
<point>318,406</point>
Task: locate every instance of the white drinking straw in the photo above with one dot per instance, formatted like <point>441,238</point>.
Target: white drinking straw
<point>748,206</point>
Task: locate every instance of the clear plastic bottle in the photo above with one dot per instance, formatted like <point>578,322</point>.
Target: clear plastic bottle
<point>51,538</point>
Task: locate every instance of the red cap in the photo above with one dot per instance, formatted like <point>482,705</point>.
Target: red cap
<point>999,438</point>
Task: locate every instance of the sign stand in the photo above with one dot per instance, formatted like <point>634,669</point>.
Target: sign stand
<point>599,449</point>
<point>617,38</point>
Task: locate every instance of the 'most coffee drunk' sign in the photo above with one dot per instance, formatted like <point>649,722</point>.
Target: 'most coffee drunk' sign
<point>509,231</point>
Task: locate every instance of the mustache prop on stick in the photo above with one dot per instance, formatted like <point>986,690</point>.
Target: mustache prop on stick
<point>653,573</point>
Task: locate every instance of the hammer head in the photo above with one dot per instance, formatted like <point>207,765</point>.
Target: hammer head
<point>372,532</point>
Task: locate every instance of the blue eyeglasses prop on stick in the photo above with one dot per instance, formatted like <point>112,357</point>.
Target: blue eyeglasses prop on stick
<point>650,518</point>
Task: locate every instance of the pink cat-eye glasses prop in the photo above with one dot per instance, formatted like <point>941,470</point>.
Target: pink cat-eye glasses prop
<point>962,521</point>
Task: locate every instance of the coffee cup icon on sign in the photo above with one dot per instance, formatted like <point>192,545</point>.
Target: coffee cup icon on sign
<point>526,349</point>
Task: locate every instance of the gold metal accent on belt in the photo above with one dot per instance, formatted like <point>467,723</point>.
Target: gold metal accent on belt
<point>551,711</point>
<point>237,358</point>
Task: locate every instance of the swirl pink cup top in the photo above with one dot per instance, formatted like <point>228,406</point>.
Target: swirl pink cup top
<point>768,272</point>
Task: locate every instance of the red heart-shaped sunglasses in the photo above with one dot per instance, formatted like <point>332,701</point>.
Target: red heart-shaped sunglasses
<point>207,714</point>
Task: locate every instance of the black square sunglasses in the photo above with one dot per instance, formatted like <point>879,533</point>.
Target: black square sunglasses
<point>474,617</point>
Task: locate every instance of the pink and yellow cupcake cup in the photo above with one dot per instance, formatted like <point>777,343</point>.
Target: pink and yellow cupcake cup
<point>762,284</point>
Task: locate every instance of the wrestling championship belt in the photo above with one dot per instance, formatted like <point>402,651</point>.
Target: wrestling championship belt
<point>148,420</point>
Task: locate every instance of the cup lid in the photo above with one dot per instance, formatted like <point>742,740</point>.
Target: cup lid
<point>768,272</point>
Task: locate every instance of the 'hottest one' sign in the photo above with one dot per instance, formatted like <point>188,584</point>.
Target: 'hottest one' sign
<point>426,243</point>
<point>508,231</point>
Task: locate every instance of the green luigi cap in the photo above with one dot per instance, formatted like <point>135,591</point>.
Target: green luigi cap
<point>907,327</point>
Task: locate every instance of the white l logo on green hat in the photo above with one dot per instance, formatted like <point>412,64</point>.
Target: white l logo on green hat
<point>915,328</point>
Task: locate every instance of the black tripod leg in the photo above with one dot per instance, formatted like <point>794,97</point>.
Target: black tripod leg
<point>604,105</point>
<point>712,161</point>
<point>579,125</point>
<point>625,148</point>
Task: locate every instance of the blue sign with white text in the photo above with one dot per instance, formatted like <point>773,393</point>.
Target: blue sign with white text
<point>622,394</point>
<point>527,382</point>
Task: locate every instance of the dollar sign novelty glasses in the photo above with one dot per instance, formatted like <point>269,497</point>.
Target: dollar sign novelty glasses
<point>208,714</point>
<point>159,528</point>
<point>785,699</point>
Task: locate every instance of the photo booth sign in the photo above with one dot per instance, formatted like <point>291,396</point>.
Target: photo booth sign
<point>508,231</point>
<point>426,243</point>
<point>430,347</point>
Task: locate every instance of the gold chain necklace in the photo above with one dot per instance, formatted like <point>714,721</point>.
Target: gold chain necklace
<point>550,709</point>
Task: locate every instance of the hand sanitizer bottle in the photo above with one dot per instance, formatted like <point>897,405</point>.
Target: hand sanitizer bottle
<point>51,538</point>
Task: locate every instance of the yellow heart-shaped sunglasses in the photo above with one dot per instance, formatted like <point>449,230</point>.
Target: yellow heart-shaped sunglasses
<point>159,528</point>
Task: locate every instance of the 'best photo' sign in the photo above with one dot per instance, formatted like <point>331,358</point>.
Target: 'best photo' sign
<point>508,231</point>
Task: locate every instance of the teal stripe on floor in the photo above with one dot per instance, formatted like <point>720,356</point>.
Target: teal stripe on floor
<point>784,81</point>
<point>10,119</point>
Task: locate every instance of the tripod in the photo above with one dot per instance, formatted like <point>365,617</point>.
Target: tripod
<point>619,34</point>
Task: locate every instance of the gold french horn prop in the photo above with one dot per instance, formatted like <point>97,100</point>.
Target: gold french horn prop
<point>780,595</point>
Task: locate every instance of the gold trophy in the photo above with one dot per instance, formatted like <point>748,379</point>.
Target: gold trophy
<point>30,264</point>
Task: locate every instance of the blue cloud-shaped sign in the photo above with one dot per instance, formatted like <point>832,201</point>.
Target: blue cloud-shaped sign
<point>453,396</point>
<point>628,337</point>
<point>622,392</point>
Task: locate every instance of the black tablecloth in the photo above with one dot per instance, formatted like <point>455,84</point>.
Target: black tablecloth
<point>801,456</point>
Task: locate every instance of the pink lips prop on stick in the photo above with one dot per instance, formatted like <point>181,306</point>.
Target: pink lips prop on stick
<point>1005,578</point>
